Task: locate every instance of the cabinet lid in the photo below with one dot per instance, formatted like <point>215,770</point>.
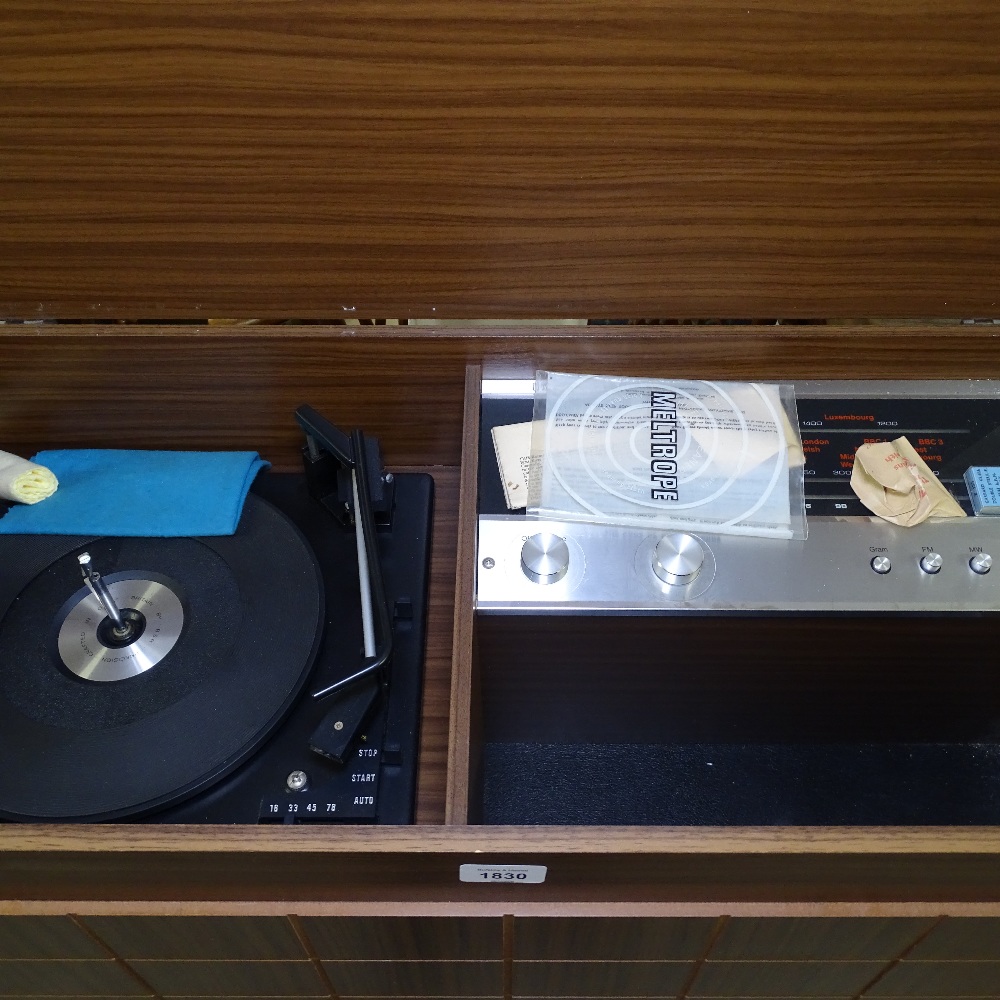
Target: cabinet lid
<point>615,158</point>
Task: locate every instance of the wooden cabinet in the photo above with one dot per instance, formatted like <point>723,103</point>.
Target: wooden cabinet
<point>829,171</point>
<point>147,910</point>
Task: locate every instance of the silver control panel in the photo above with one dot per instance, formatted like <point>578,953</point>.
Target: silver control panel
<point>846,564</point>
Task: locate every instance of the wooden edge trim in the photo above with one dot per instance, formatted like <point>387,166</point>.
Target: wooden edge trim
<point>106,840</point>
<point>460,726</point>
<point>480,908</point>
<point>501,332</point>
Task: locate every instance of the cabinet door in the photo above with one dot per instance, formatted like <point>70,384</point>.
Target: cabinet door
<point>410,956</point>
<point>606,957</point>
<point>793,958</point>
<point>509,958</point>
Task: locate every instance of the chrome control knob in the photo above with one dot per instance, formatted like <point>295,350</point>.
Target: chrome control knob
<point>545,557</point>
<point>932,562</point>
<point>981,563</point>
<point>882,564</point>
<point>678,558</point>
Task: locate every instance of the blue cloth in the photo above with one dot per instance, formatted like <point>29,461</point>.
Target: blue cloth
<point>139,493</point>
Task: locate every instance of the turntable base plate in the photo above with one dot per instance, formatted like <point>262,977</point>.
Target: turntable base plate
<point>75,748</point>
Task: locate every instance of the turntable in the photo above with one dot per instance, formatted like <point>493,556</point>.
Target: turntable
<point>272,676</point>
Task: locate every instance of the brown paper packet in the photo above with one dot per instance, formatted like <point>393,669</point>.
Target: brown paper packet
<point>894,482</point>
<point>513,447</point>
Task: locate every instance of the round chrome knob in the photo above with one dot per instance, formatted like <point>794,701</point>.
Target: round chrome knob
<point>932,562</point>
<point>678,558</point>
<point>545,557</point>
<point>981,563</point>
<point>882,564</point>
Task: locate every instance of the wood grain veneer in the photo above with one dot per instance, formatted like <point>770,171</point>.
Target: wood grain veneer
<point>610,939</point>
<point>158,938</point>
<point>612,158</point>
<point>209,387</point>
<point>80,978</point>
<point>45,937</point>
<point>453,978</point>
<point>443,956</point>
<point>938,979</point>
<point>435,706</point>
<point>599,979</point>
<point>225,388</point>
<point>973,939</point>
<point>464,737</point>
<point>783,979</point>
<point>232,979</point>
<point>592,871</point>
<point>406,938</point>
<point>821,939</point>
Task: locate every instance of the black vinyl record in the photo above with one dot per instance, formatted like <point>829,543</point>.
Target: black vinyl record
<point>73,748</point>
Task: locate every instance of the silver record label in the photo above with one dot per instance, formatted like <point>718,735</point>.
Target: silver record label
<point>87,643</point>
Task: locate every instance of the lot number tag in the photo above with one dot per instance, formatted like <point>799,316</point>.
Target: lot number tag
<point>502,874</point>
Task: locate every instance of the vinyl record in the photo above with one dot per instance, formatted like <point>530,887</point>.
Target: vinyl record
<point>89,731</point>
<point>664,453</point>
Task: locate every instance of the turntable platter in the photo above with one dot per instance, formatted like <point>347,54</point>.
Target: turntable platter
<point>89,736</point>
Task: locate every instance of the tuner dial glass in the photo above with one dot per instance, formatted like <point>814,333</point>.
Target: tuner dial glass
<point>678,558</point>
<point>545,557</point>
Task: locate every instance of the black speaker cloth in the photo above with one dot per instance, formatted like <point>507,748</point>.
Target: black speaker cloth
<point>78,749</point>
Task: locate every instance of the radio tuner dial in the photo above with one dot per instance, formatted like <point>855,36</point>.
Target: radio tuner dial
<point>678,559</point>
<point>545,557</point>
